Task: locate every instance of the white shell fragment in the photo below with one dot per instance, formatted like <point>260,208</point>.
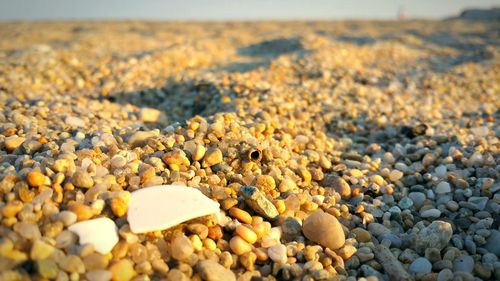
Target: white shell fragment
<point>100,232</point>
<point>163,206</point>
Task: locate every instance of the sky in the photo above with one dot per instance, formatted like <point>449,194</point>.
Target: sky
<point>232,9</point>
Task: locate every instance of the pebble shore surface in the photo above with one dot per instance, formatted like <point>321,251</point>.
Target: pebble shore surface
<point>349,150</point>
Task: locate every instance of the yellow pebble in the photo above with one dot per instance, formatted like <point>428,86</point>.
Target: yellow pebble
<point>377,179</point>
<point>122,270</point>
<point>12,208</point>
<point>35,178</point>
<point>196,242</point>
<point>280,206</point>
<point>239,246</point>
<point>246,233</point>
<point>240,215</point>
<point>306,175</point>
<point>209,244</point>
<point>261,254</point>
<point>119,203</point>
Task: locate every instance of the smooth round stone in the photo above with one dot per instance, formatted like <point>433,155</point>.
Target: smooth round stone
<point>118,161</point>
<point>67,217</point>
<point>277,253</point>
<point>362,235</point>
<point>181,247</point>
<point>98,275</point>
<point>395,210</point>
<point>317,225</point>
<point>82,180</point>
<point>122,270</point>
<point>396,242</point>
<point>418,199</point>
<point>406,203</point>
<point>493,244</point>
<point>480,202</point>
<point>464,264</point>
<point>431,213</point>
<point>291,228</point>
<point>211,271</point>
<point>421,265</point>
<point>445,275</point>
<point>443,187</point>
<point>440,171</point>
<point>401,167</point>
<point>452,206</point>
<point>239,246</point>
<point>395,175</point>
<point>35,178</point>
<point>377,229</point>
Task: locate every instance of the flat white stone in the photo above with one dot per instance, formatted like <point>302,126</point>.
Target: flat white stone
<point>163,206</point>
<point>100,232</point>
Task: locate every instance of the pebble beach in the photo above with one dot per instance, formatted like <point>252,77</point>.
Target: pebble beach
<point>337,150</point>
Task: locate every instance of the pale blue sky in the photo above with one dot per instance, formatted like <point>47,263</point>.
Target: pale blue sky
<point>232,9</point>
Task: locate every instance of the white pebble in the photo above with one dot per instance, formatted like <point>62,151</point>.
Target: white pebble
<point>277,253</point>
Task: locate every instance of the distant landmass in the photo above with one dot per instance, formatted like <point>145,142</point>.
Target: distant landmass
<point>492,14</point>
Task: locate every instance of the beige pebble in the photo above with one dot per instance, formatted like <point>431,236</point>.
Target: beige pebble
<point>395,175</point>
<point>199,152</point>
<point>277,253</point>
<point>316,225</point>
<point>181,248</point>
